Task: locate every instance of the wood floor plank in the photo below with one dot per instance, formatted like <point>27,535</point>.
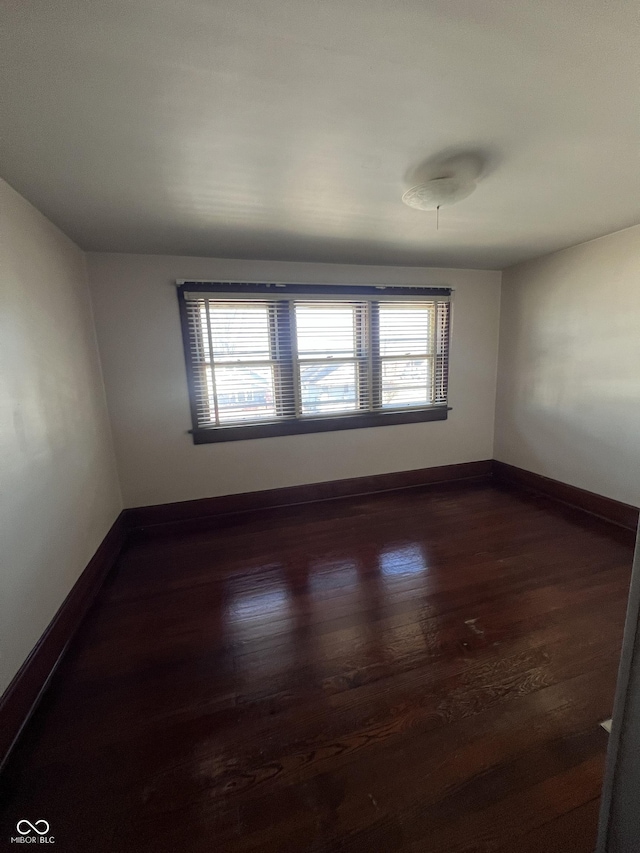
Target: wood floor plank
<point>573,832</point>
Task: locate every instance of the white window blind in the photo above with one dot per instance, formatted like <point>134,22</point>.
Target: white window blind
<point>258,358</point>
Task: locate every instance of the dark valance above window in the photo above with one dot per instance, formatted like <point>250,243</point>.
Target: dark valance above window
<point>272,359</point>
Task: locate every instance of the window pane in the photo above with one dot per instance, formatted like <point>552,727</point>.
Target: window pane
<point>326,387</point>
<point>406,329</point>
<point>245,393</point>
<point>325,329</point>
<point>406,383</point>
<point>239,332</point>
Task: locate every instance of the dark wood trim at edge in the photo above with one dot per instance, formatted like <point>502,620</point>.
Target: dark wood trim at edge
<point>304,427</point>
<point>188,514</point>
<point>613,511</point>
<point>28,685</point>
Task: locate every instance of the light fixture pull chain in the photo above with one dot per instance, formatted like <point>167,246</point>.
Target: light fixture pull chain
<point>437,217</point>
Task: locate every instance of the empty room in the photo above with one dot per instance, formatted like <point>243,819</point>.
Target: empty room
<point>320,426</point>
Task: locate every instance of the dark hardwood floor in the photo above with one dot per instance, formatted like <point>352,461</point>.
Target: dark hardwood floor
<point>415,671</point>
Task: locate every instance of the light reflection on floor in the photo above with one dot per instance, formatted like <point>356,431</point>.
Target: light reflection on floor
<point>260,610</point>
<point>406,559</point>
<point>264,612</point>
<point>326,575</point>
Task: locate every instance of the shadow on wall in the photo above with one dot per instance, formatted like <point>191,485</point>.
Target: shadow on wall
<point>574,454</point>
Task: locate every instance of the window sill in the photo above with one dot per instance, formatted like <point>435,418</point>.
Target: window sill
<point>210,435</point>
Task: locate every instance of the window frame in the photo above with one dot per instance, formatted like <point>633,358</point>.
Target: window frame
<point>324,423</point>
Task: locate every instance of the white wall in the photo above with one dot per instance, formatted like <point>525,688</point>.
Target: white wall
<point>140,342</point>
<point>58,485</point>
<point>568,403</point>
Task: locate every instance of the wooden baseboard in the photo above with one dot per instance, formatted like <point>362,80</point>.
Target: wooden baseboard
<point>25,690</point>
<point>185,515</point>
<point>616,512</point>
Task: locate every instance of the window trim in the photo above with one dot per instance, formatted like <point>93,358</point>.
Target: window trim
<point>359,420</point>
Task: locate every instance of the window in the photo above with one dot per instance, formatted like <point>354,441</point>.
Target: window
<point>267,359</point>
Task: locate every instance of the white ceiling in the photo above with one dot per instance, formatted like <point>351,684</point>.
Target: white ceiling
<point>289,129</point>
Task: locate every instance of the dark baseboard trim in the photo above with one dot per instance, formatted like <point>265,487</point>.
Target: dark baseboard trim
<point>25,690</point>
<point>185,515</point>
<point>615,512</point>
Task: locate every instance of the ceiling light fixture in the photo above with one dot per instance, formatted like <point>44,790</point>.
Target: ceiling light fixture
<point>438,192</point>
